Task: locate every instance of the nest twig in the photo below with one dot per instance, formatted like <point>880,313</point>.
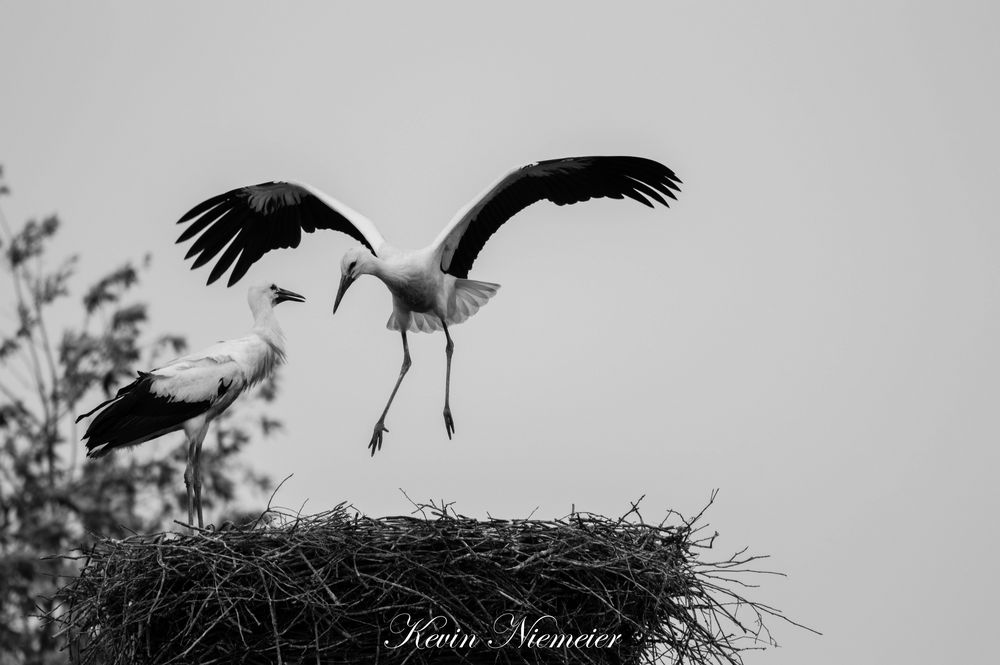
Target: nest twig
<point>340,587</point>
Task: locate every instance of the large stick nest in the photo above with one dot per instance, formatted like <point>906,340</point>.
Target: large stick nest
<point>340,587</point>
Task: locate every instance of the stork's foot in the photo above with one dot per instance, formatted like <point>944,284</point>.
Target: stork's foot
<point>449,424</point>
<point>376,442</point>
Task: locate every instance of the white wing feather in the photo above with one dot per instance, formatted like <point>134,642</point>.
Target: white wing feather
<point>447,241</point>
<point>206,379</point>
<point>362,223</point>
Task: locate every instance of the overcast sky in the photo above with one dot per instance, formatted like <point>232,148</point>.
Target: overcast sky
<point>812,328</point>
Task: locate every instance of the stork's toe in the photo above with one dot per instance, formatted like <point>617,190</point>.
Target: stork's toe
<point>449,423</point>
<point>376,442</point>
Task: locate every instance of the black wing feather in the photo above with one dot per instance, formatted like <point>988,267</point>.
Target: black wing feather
<point>253,249</point>
<point>563,182</point>
<point>198,226</point>
<point>215,237</point>
<point>204,206</point>
<point>234,249</point>
<point>254,220</point>
<point>136,415</point>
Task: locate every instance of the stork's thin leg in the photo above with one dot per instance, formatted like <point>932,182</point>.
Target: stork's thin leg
<point>197,475</point>
<point>449,424</point>
<point>376,442</point>
<point>189,476</point>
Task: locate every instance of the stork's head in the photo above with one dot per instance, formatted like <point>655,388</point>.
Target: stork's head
<point>269,295</point>
<point>356,262</point>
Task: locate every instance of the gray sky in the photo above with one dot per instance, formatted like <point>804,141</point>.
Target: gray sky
<point>810,329</point>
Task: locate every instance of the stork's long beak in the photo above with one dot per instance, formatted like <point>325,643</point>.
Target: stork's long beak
<point>284,295</point>
<point>345,282</point>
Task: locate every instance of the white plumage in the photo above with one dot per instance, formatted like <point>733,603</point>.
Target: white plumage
<point>189,392</point>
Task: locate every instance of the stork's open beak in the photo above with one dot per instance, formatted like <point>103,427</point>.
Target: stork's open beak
<point>345,282</point>
<point>284,295</point>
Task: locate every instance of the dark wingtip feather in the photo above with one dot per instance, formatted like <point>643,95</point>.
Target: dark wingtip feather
<point>202,259</point>
<point>237,274</point>
<point>635,196</point>
<point>232,252</point>
<point>219,269</point>
<point>648,190</point>
<point>205,206</point>
<point>200,224</point>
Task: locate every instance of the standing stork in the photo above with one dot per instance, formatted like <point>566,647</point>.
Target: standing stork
<point>430,287</point>
<point>189,392</point>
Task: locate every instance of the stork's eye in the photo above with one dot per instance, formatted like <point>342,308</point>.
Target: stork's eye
<point>274,287</point>
<point>353,263</point>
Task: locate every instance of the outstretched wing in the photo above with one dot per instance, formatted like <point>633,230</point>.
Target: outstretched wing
<point>251,221</point>
<point>161,401</point>
<point>562,181</point>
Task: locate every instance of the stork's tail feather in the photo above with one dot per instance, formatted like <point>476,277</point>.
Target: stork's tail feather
<point>135,415</point>
<point>414,322</point>
<point>121,392</point>
<point>469,295</point>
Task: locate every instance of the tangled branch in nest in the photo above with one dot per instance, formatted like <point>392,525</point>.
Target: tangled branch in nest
<point>340,587</point>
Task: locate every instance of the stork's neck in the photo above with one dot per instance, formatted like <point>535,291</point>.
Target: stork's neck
<point>369,264</point>
<point>265,327</point>
<point>265,324</point>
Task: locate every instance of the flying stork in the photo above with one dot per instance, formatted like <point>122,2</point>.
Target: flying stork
<point>430,286</point>
<point>189,392</point>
